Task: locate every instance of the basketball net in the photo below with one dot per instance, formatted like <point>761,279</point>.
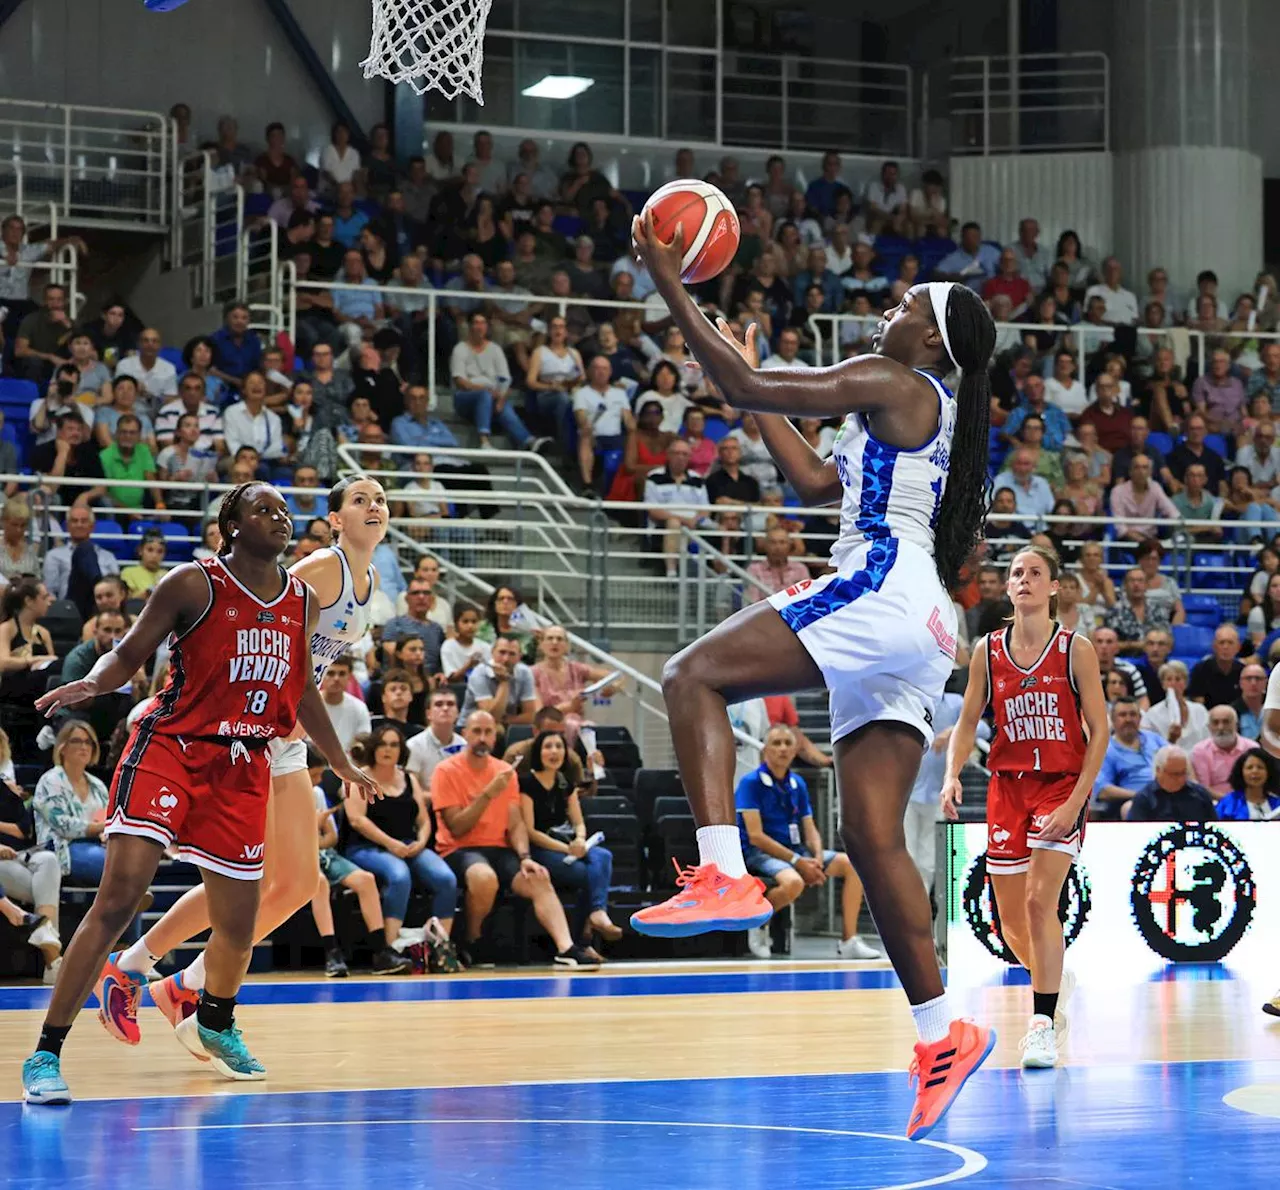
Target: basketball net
<point>429,44</point>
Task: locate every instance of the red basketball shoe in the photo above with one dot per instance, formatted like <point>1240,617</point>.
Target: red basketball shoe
<point>708,900</point>
<point>938,1071</point>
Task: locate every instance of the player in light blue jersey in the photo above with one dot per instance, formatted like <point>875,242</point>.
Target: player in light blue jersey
<point>910,472</point>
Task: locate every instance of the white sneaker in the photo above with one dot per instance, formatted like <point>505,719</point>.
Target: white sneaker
<point>43,935</point>
<point>1039,1047</point>
<point>760,942</point>
<point>855,948</point>
<point>51,972</point>
<point>1061,1022</point>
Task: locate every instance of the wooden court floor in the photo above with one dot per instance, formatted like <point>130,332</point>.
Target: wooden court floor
<point>659,1071</point>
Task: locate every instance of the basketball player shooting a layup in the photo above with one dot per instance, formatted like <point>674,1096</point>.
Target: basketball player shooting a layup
<point>910,471</point>
<point>1042,683</point>
<point>195,771</point>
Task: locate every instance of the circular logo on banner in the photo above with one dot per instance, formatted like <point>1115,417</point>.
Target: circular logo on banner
<point>1193,894</point>
<point>984,917</point>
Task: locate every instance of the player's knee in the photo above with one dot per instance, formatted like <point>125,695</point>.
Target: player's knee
<point>1042,904</point>
<point>683,669</point>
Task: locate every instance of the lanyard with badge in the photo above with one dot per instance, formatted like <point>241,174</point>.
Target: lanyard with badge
<point>768,780</point>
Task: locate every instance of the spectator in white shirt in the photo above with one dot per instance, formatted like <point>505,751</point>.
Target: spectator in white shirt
<point>1206,286</point>
<point>603,414</point>
<point>839,250</point>
<point>1034,260</point>
<point>157,378</point>
<point>349,716</point>
<point>1261,457</point>
<point>675,485</point>
<point>190,399</point>
<point>482,383</point>
<point>1032,494</point>
<point>460,654</point>
<point>787,354</point>
<point>250,423</point>
<point>339,161</point>
<point>1063,389</point>
<point>885,202</point>
<point>1121,304</point>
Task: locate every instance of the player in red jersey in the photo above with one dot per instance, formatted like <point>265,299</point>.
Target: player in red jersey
<point>195,770</point>
<point>1049,737</point>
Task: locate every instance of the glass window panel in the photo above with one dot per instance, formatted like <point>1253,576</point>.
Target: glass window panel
<point>598,109</point>
<point>646,93</point>
<point>598,19</point>
<point>646,20</point>
<point>691,24</point>
<point>691,97</point>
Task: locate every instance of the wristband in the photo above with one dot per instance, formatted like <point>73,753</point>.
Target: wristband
<point>523,857</point>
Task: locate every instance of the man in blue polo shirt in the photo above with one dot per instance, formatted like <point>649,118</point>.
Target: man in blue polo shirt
<point>1128,765</point>
<point>780,842</point>
<point>357,310</point>
<point>237,349</point>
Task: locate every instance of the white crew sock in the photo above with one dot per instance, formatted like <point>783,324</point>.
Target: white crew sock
<point>137,960</point>
<point>722,846</point>
<point>933,1019</point>
<point>193,976</point>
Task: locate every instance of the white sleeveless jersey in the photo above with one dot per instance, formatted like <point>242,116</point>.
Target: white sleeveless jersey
<point>890,492</point>
<point>342,623</point>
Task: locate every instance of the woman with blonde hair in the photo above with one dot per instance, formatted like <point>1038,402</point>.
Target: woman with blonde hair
<point>560,681</point>
<point>71,805</point>
<point>18,554</point>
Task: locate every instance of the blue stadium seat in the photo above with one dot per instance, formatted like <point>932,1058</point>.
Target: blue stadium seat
<point>717,428</point>
<point>610,461</point>
<point>1192,640</point>
<point>1161,442</point>
<point>257,204</point>
<point>1209,572</point>
<point>18,392</point>
<point>174,356</point>
<point>569,226</point>
<point>1219,443</point>
<point>1203,611</point>
<point>113,537</point>
<point>178,544</point>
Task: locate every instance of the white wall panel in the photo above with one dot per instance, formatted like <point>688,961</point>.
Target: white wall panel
<point>1060,190</point>
<point>218,56</point>
<point>1189,209</point>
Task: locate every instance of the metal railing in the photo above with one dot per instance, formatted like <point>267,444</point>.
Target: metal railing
<point>1029,103</point>
<point>207,236</point>
<point>102,167</point>
<point>259,282</point>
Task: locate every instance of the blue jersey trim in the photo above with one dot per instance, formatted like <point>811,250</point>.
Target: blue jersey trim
<point>841,592</point>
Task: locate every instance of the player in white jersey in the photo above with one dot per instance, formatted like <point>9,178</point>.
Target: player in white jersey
<point>344,580</point>
<point>910,468</point>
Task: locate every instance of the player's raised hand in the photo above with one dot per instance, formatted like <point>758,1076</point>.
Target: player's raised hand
<point>358,781</point>
<point>663,260</point>
<point>66,696</point>
<point>952,796</point>
<point>748,347</point>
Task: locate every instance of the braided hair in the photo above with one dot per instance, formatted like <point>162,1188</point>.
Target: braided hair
<point>972,335</point>
<point>227,512</point>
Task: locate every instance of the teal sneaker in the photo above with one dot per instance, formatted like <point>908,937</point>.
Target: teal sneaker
<point>227,1051</point>
<point>42,1080</point>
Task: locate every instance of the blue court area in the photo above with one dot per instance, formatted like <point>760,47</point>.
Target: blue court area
<point>1107,1128</point>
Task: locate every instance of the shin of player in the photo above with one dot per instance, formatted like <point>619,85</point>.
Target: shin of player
<point>1049,734</point>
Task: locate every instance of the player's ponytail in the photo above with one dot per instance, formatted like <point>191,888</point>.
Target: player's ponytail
<point>228,510</point>
<point>969,338</point>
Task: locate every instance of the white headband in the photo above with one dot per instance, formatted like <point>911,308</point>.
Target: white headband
<point>939,292</point>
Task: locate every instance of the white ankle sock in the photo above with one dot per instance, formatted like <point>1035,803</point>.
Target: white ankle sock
<point>722,846</point>
<point>933,1019</point>
<point>138,960</point>
<point>193,976</point>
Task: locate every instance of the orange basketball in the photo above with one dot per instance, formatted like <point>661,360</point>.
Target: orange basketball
<point>710,223</point>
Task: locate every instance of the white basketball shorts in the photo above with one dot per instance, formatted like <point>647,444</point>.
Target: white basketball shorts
<point>882,630</point>
<point>287,756</point>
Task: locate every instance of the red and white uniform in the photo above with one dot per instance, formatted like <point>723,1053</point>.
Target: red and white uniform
<point>195,770</point>
<point>1037,750</point>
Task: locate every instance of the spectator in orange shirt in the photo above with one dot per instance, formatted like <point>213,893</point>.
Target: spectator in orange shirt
<point>482,836</point>
<point>778,571</point>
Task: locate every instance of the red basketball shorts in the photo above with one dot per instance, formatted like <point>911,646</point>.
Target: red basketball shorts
<point>209,797</point>
<point>1018,805</point>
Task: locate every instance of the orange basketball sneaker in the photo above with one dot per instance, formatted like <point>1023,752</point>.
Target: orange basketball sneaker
<point>708,900</point>
<point>118,995</point>
<point>938,1071</point>
<point>176,1001</point>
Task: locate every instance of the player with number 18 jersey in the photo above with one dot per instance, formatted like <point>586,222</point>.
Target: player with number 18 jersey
<point>1037,749</point>
<point>195,770</point>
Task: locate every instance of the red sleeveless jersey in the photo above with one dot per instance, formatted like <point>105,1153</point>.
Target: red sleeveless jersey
<point>1037,710</point>
<point>241,669</point>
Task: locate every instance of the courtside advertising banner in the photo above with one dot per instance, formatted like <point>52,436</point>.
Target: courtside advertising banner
<point>1141,896</point>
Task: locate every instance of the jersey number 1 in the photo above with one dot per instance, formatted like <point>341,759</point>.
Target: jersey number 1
<point>255,702</point>
<point>1036,753</point>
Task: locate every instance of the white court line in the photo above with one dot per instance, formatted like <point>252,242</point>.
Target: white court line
<point>973,1162</point>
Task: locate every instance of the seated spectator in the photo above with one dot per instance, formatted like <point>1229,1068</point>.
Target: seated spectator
<point>71,454</point>
<point>391,838</point>
<point>1137,501</point>
<point>461,653</point>
<point>505,614</point>
<point>94,376</point>
<point>1002,526</point>
<point>728,481</point>
<point>1108,416</point>
<point>1063,389</point>
<point>1057,426</point>
<point>1107,644</point>
<point>665,390</point>
<point>1170,796</point>
<point>1135,614</point>
<point>348,714</point>
<point>1250,518</point>
<point>438,608</point>
<point>293,198</point>
<point>142,577</point>
<point>1213,758</point>
<point>417,618</point>
<point>503,687</point>
<point>70,805</point>
<point>1032,494</point>
<point>780,842</point>
<point>676,489</point>
<point>554,371</point>
<point>1254,794</point>
<point>1164,395</point>
<point>778,570</point>
<point>603,415</point>
<point>1008,282</point>
<point>1047,463</point>
<point>1219,396</point>
<point>348,219</point>
<point>1176,719</point>
<point>645,448</point>
<point>927,207</point>
<point>1127,766</point>
<point>198,358</point>
<point>191,399</point>
<point>237,350</point>
<point>702,450</point>
<point>560,681</point>
<point>1265,381</point>
<point>440,739</point>
<point>861,278</point>
<point>1121,303</point>
<point>18,554</point>
<point>43,338</point>
<point>1156,647</point>
<point>1192,449</point>
<point>423,496</point>
<point>72,569</point>
<point>380,164</point>
<point>1215,679</point>
<point>1261,458</point>
<point>1099,460</point>
<point>482,837</point>
<point>756,459</point>
<point>482,383</point>
<point>250,423</point>
<point>1195,503</point>
<point>552,814</point>
<point>1139,430</point>
<point>1160,588</point>
<point>127,458</point>
<point>59,398</point>
<point>419,659</point>
<point>1081,492</point>
<point>396,704</point>
<point>973,263</point>
<point>1249,706</point>
<point>358,312</point>
<point>156,377</point>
